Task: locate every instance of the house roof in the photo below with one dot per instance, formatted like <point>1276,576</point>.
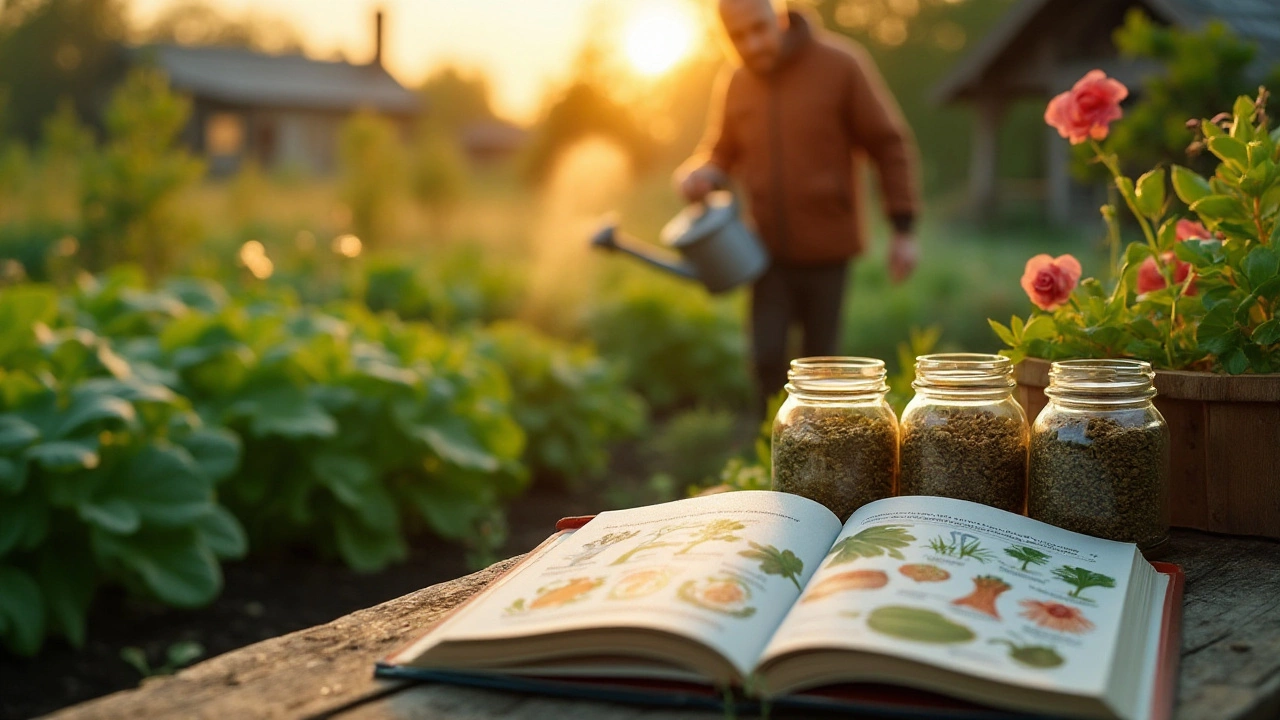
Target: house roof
<point>1255,20</point>
<point>244,77</point>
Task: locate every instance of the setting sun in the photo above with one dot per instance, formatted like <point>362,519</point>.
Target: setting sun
<point>657,37</point>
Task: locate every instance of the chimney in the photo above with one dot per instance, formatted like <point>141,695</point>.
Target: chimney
<point>377,39</point>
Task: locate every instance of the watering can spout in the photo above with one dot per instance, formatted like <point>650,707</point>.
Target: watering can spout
<point>609,238</point>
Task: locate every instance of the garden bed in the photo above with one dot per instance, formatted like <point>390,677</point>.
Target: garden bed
<point>264,597</point>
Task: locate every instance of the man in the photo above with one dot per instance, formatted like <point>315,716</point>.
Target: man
<point>792,126</point>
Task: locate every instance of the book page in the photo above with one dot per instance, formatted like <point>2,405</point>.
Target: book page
<point>723,569</point>
<point>968,588</point>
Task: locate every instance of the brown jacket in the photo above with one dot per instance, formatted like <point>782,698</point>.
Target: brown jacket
<point>795,140</point>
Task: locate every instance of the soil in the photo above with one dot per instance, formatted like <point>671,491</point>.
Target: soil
<point>263,597</point>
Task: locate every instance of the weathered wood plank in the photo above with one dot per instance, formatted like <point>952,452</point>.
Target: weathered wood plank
<point>1230,658</point>
<point>310,672</point>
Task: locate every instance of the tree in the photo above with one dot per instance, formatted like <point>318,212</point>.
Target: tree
<point>438,175</point>
<point>130,203</point>
<point>1082,579</point>
<point>370,158</point>
<point>193,22</point>
<point>1026,556</point>
<point>51,49</point>
<point>456,98</point>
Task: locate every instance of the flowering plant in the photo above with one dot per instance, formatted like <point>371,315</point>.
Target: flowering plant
<point>1200,290</point>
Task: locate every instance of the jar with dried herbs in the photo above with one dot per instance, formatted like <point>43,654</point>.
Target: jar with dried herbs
<point>835,438</point>
<point>1100,453</point>
<point>964,436</point>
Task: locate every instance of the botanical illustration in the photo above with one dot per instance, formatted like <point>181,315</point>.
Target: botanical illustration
<point>599,545</point>
<point>961,546</point>
<point>924,572</point>
<point>871,542</point>
<point>1081,579</point>
<point>714,531</point>
<point>1026,555</point>
<point>1056,616</point>
<point>640,583</point>
<point>656,539</point>
<point>918,625</point>
<point>852,580</point>
<point>723,594</point>
<point>773,561</point>
<point>1040,657</point>
<point>557,594</point>
<point>986,588</point>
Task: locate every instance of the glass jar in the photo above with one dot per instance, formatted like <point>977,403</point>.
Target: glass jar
<point>835,439</point>
<point>1100,453</point>
<point>964,435</point>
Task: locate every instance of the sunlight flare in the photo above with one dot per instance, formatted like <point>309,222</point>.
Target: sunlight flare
<point>658,36</point>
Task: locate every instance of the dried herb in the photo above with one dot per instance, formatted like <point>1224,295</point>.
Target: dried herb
<point>966,454</point>
<point>1100,476</point>
<point>839,458</point>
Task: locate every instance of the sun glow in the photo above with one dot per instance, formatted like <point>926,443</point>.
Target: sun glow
<point>658,36</point>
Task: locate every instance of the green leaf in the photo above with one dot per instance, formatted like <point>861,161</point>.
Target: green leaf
<point>348,477</point>
<point>1189,186</point>
<point>871,542</point>
<point>1230,150</point>
<point>1149,195</point>
<point>87,408</point>
<point>68,577</point>
<point>173,565</point>
<point>16,433</point>
<point>286,412</point>
<point>216,451</point>
<point>1235,361</point>
<point>1214,208</point>
<point>453,441</point>
<point>65,455</point>
<point>163,484</point>
<point>1268,333</point>
<point>773,561</point>
<point>1002,332</point>
<point>364,548</point>
<point>13,476</point>
<point>114,515</point>
<point>24,521</point>
<point>1040,327</point>
<point>451,507</point>
<point>222,533</point>
<point>1260,265</point>
<point>21,611</point>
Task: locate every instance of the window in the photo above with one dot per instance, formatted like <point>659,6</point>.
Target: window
<point>224,134</point>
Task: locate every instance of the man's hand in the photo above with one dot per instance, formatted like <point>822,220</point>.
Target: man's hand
<point>903,256</point>
<point>697,184</point>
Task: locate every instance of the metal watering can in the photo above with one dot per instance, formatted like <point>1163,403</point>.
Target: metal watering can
<point>715,247</point>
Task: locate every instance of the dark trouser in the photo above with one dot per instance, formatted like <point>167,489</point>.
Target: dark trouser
<point>813,295</point>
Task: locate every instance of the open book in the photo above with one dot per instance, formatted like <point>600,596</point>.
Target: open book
<point>767,593</point>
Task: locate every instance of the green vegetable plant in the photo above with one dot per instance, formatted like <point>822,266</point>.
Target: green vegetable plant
<point>871,542</point>
<point>105,478</point>
<point>571,404</point>
<point>177,656</point>
<point>1082,579</point>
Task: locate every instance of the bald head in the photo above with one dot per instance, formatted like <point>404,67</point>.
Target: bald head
<point>755,27</point>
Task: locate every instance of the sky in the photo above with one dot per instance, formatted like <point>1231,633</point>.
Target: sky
<point>522,45</point>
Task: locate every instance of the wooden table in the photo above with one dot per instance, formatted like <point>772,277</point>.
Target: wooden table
<point>1230,658</point>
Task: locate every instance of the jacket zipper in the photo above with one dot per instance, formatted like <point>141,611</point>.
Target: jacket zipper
<point>775,164</point>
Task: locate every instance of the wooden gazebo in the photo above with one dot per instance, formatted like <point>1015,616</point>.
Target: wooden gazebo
<point>1041,47</point>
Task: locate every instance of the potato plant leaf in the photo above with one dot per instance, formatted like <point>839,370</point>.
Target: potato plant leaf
<point>871,542</point>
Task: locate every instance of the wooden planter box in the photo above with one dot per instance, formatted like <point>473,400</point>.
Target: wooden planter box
<point>1225,445</point>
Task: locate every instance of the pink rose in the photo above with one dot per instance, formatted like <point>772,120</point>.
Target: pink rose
<point>1149,277</point>
<point>1087,109</point>
<point>1049,281</point>
<point>1192,230</point>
